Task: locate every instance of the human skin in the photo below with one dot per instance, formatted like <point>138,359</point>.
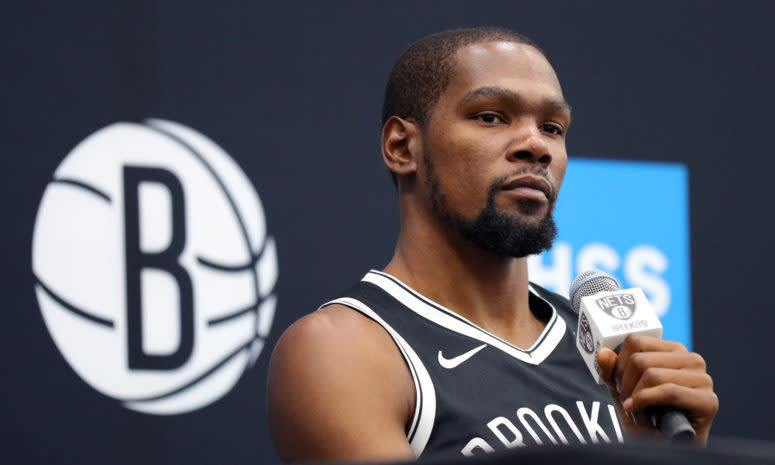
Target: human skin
<point>339,389</point>
<point>503,112</point>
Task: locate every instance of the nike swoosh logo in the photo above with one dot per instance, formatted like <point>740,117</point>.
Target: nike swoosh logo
<point>450,363</point>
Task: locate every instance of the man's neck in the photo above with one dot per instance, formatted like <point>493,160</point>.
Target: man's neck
<point>488,289</point>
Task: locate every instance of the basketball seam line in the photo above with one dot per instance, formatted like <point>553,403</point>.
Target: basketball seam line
<point>83,185</point>
<point>71,307</point>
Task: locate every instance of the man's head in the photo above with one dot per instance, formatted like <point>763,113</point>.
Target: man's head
<point>422,73</point>
<point>474,131</point>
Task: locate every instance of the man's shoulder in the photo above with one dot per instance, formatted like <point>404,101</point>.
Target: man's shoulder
<point>330,368</point>
<point>332,325</point>
<point>333,336</point>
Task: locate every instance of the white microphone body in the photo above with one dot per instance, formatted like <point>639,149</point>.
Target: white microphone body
<point>607,314</point>
<point>606,318</point>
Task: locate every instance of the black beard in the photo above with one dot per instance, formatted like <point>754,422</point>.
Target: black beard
<point>493,230</point>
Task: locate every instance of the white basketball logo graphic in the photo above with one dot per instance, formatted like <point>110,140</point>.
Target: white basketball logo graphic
<point>155,274</point>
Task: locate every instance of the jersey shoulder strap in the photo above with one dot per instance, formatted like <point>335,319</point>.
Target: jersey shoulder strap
<point>369,300</point>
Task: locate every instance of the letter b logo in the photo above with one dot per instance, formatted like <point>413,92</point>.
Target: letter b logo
<point>166,260</point>
<point>155,274</point>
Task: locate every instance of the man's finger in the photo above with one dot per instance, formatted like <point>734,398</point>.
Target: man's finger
<point>657,376</point>
<point>636,343</point>
<point>698,401</point>
<point>639,364</point>
<point>606,361</point>
<point>642,343</point>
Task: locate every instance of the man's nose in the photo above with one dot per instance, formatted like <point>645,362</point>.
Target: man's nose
<point>531,145</point>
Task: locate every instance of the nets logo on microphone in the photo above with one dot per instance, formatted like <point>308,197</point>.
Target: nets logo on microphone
<point>155,273</point>
<point>621,306</point>
<point>586,340</point>
<point>631,220</point>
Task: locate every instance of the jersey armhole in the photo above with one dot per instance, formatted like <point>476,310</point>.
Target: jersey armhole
<point>425,394</point>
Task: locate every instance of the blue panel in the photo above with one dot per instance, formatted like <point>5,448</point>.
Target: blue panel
<point>630,219</point>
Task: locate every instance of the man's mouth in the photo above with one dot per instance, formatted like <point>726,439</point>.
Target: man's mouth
<point>529,186</point>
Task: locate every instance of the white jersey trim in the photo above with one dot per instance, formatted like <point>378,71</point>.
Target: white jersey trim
<point>425,394</point>
<point>428,309</point>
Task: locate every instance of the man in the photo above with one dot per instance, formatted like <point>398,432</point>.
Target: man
<point>450,348</point>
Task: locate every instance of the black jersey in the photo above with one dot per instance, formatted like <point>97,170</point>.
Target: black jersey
<point>477,393</point>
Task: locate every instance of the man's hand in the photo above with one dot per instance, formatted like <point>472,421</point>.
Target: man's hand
<point>652,372</point>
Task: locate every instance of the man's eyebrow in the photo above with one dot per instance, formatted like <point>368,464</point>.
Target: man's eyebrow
<point>555,103</point>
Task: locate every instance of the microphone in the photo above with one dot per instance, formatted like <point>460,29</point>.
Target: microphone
<point>607,314</point>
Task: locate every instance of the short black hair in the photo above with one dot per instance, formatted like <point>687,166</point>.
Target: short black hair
<point>423,72</point>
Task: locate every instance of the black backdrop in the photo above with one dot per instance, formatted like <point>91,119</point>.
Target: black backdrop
<point>292,91</point>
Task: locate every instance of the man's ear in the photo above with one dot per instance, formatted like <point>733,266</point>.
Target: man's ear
<point>401,145</point>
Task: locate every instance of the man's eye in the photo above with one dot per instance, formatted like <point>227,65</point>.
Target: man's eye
<point>552,129</point>
<point>489,118</point>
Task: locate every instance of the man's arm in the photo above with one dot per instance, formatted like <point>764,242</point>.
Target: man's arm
<point>338,388</point>
<point>652,372</point>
